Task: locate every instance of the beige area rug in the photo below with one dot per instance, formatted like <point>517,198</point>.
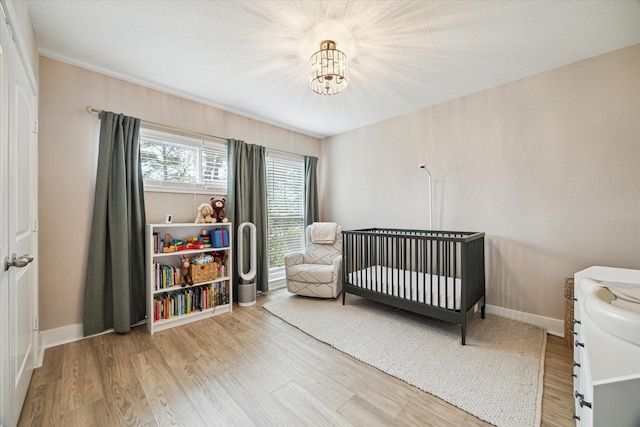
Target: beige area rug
<point>497,376</point>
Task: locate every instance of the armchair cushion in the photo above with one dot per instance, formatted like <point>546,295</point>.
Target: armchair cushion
<point>311,273</point>
<point>320,254</point>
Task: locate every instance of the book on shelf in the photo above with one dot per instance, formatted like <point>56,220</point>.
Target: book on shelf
<point>158,243</point>
<point>188,300</point>
<point>165,276</point>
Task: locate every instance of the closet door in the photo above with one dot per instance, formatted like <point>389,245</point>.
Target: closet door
<point>5,44</point>
<point>19,240</point>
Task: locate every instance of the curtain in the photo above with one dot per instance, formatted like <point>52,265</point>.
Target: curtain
<point>115,283</point>
<point>311,207</point>
<point>247,202</point>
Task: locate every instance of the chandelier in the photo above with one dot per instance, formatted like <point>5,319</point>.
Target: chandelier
<point>328,69</point>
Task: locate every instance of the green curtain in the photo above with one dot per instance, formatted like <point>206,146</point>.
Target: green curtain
<point>247,202</point>
<point>311,207</point>
<point>115,283</point>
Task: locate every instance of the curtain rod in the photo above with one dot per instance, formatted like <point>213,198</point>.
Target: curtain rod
<point>90,110</point>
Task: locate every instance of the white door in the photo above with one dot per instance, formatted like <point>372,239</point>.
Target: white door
<point>5,43</point>
<point>18,190</point>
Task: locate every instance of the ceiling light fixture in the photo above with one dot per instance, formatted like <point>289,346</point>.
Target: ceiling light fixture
<point>328,69</point>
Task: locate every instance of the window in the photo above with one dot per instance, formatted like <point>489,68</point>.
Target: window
<point>176,162</point>
<point>285,204</point>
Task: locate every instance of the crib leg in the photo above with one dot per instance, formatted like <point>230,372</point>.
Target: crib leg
<point>344,295</point>
<point>463,329</point>
<point>482,312</point>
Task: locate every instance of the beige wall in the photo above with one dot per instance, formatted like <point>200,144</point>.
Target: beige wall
<point>68,152</point>
<point>548,167</point>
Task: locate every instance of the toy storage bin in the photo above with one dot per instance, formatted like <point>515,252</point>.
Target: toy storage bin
<point>204,272</point>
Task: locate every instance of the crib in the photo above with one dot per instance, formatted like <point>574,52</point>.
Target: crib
<point>439,274</point>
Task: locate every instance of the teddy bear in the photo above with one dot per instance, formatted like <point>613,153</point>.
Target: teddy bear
<point>218,210</point>
<point>205,212</point>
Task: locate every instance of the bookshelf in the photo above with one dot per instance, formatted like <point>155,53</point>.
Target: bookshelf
<point>171,304</point>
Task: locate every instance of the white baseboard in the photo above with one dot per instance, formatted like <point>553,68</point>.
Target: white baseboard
<point>59,336</point>
<point>277,284</point>
<point>552,326</point>
<point>65,335</point>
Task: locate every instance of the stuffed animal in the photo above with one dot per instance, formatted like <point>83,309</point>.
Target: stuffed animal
<point>185,277</point>
<point>221,259</point>
<point>204,214</point>
<point>218,210</point>
<point>220,256</point>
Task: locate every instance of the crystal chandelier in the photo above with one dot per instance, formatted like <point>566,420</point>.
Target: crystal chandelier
<point>328,69</point>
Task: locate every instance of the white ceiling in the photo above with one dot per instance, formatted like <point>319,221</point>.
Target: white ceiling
<point>251,57</point>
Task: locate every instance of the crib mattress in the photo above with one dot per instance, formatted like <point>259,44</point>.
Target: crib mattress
<point>439,291</point>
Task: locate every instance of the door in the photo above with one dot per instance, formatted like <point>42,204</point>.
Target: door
<point>18,241</point>
<point>5,43</point>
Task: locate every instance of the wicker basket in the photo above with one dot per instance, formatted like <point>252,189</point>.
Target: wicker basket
<point>568,312</point>
<point>203,273</point>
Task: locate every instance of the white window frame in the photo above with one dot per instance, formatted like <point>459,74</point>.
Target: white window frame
<point>278,273</point>
<point>197,142</point>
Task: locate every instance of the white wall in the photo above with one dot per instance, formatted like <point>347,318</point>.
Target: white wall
<point>68,151</point>
<point>548,167</point>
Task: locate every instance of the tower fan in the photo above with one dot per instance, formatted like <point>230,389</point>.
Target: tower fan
<point>247,285</point>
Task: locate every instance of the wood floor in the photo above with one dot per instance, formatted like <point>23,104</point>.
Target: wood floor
<point>244,368</point>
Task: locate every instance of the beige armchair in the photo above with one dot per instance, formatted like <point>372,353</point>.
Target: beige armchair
<point>316,273</point>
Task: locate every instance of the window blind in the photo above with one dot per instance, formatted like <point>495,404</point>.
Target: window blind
<point>182,163</point>
<point>285,200</point>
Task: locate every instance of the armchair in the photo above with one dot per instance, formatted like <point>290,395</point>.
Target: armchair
<point>316,273</point>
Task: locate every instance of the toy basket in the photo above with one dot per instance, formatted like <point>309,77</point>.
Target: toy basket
<point>203,273</point>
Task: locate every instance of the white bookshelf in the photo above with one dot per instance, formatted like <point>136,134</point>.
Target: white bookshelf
<point>156,293</point>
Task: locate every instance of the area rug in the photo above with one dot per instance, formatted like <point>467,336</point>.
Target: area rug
<point>497,376</point>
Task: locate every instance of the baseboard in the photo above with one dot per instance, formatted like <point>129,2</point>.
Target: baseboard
<point>277,284</point>
<point>552,326</point>
<point>59,336</point>
<point>65,335</point>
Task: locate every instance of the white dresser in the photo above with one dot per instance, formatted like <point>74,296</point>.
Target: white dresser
<point>606,368</point>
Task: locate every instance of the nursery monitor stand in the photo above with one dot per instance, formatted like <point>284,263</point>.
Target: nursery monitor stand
<point>247,285</point>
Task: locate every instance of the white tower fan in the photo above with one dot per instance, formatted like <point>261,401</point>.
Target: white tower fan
<point>247,285</point>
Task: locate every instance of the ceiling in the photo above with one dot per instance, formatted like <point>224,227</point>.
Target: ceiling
<point>251,57</point>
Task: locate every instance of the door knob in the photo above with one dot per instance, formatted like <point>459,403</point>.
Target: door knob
<point>16,261</point>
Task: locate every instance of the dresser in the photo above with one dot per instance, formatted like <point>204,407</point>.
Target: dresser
<point>606,372</point>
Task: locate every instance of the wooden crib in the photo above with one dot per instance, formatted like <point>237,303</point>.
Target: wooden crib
<point>439,274</point>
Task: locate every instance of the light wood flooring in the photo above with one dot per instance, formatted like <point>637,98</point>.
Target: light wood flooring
<point>244,368</point>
